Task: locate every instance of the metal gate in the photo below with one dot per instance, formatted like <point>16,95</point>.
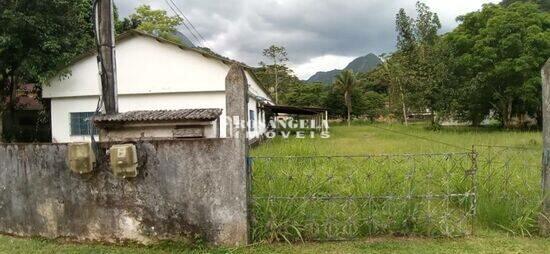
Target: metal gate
<point>345,197</point>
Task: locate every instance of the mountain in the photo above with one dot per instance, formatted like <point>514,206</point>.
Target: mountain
<point>324,76</point>
<point>364,64</point>
<point>361,64</point>
<point>184,39</point>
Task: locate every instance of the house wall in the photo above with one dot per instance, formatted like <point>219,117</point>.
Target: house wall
<point>151,75</point>
<point>145,66</point>
<point>259,127</point>
<point>62,107</point>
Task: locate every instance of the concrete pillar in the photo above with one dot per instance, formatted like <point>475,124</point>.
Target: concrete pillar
<point>544,219</point>
<point>236,104</point>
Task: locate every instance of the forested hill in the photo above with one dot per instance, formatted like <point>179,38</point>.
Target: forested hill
<point>324,76</point>
<point>360,64</point>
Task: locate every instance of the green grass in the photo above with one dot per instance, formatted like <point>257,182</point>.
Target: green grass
<point>485,242</point>
<point>383,138</point>
<point>507,183</point>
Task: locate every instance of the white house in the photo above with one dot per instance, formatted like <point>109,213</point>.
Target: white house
<point>152,74</point>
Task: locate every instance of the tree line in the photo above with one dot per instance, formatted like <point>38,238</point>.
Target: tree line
<point>486,68</point>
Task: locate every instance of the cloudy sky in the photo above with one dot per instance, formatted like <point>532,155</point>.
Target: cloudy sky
<point>319,35</point>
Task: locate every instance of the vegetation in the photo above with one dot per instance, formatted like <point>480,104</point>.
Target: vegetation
<point>495,64</point>
<point>507,200</point>
<point>489,66</point>
<point>346,82</point>
<point>486,242</point>
<point>155,22</point>
<point>486,68</point>
<point>278,57</point>
<point>37,38</point>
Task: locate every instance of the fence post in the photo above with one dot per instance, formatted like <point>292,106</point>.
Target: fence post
<point>544,219</point>
<point>473,172</point>
<point>236,104</point>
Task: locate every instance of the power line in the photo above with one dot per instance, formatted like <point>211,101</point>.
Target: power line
<point>187,27</point>
<point>189,21</point>
<point>184,23</point>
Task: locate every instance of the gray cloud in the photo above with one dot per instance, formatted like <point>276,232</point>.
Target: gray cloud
<point>307,28</point>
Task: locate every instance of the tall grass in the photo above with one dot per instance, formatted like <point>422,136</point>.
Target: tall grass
<point>343,197</point>
<point>509,191</point>
<point>346,197</point>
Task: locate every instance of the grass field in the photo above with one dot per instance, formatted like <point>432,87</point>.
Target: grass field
<point>383,138</point>
<point>484,242</point>
<point>393,194</point>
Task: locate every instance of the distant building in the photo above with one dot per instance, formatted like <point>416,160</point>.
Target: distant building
<point>153,74</point>
<point>29,122</point>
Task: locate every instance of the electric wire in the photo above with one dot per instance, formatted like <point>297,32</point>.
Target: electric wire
<point>101,64</point>
<point>184,23</point>
<point>188,21</point>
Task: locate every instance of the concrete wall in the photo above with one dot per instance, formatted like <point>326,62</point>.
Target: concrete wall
<point>184,188</point>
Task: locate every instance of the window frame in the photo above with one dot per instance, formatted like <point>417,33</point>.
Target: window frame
<point>84,126</point>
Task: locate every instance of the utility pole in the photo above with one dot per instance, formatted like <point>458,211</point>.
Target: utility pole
<point>106,40</point>
<point>544,220</point>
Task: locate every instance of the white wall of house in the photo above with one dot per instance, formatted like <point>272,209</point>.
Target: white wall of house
<point>151,75</point>
<point>61,108</point>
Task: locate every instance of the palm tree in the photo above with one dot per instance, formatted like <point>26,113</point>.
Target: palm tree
<point>346,81</point>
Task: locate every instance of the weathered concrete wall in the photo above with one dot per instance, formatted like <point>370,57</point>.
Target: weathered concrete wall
<point>184,188</point>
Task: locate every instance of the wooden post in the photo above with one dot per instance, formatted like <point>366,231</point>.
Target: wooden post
<point>106,39</point>
<point>544,220</point>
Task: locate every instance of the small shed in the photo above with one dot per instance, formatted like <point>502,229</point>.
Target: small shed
<point>159,124</point>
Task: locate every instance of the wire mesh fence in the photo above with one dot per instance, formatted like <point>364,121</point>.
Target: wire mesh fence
<point>344,197</point>
<point>509,188</point>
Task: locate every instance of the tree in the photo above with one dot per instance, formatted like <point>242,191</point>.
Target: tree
<point>346,82</point>
<point>306,95</point>
<point>277,56</point>
<point>497,55</point>
<point>128,23</point>
<point>334,98</point>
<point>544,4</point>
<point>36,39</point>
<point>399,79</point>
<point>375,104</point>
<point>155,22</point>
<point>405,31</point>
<point>286,81</point>
<point>416,73</point>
